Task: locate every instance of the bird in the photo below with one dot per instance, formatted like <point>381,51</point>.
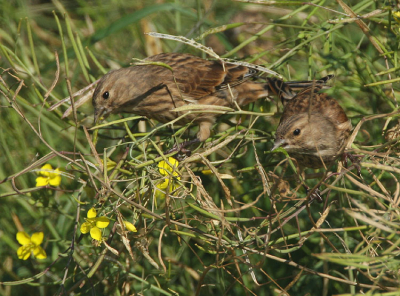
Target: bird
<point>167,81</point>
<point>313,128</point>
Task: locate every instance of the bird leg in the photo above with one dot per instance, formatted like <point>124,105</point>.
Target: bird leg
<point>182,147</point>
<point>315,194</point>
<point>204,132</point>
<point>355,160</point>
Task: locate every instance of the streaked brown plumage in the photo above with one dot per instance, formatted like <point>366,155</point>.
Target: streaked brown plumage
<point>154,90</point>
<point>314,134</point>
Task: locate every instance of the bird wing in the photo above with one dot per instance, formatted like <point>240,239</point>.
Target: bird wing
<point>197,77</point>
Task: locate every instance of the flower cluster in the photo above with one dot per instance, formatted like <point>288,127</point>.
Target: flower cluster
<point>48,176</point>
<point>30,245</point>
<point>166,170</point>
<point>93,224</point>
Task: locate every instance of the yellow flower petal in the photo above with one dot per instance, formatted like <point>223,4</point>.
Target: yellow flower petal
<point>56,181</point>
<point>39,253</point>
<point>92,213</point>
<point>85,227</point>
<point>173,161</point>
<point>23,238</point>
<point>161,165</point>
<point>42,181</point>
<point>44,171</point>
<point>55,178</point>
<point>163,185</point>
<point>37,238</point>
<point>129,226</point>
<point>165,169</point>
<point>54,173</point>
<point>102,222</point>
<point>95,233</point>
<point>24,252</point>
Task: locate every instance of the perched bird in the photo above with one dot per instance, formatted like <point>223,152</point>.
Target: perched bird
<point>313,129</point>
<point>170,80</point>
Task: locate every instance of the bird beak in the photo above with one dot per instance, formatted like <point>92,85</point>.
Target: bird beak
<point>278,143</point>
<point>98,112</point>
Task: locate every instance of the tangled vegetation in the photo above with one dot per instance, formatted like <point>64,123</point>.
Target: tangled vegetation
<point>100,210</point>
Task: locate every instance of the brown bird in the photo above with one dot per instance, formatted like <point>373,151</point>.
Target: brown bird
<point>313,129</point>
<point>175,80</point>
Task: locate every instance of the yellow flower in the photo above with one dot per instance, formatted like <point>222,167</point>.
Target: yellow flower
<point>129,226</point>
<point>48,176</point>
<point>93,224</point>
<point>30,245</point>
<point>166,170</point>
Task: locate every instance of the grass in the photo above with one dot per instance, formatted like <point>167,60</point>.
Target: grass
<point>238,222</point>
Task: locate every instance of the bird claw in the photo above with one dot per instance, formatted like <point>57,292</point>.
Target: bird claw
<point>180,148</point>
<point>355,159</point>
<point>314,194</point>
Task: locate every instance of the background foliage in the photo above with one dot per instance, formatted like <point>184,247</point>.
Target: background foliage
<point>188,241</point>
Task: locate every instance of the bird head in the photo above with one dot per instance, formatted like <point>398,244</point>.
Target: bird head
<point>107,94</point>
<point>305,134</point>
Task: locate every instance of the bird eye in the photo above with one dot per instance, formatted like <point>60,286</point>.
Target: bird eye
<point>296,132</point>
<point>106,95</point>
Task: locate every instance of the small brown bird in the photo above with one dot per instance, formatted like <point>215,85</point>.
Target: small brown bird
<point>313,129</point>
<point>175,80</point>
